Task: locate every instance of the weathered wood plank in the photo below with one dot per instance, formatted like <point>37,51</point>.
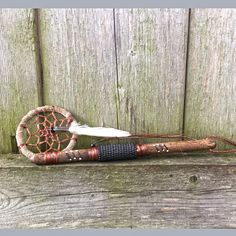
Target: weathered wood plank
<point>119,195</point>
<point>211,84</point>
<point>151,50</point>
<point>79,63</point>
<point>18,71</point>
<point>186,159</point>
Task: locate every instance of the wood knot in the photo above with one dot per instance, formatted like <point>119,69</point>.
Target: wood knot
<point>193,179</point>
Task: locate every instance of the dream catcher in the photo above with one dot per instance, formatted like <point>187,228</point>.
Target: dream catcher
<point>48,134</point>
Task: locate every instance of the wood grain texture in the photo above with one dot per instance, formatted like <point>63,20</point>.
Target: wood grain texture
<point>211,84</point>
<point>119,194</point>
<point>198,159</point>
<point>18,71</point>
<point>151,51</point>
<point>78,55</point>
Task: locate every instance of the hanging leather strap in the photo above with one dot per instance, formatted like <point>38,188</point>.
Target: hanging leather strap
<point>225,141</point>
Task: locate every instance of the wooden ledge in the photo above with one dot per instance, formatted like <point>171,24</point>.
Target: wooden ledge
<point>185,191</point>
<point>206,159</point>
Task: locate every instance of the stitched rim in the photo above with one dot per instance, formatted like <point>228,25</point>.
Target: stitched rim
<point>23,123</point>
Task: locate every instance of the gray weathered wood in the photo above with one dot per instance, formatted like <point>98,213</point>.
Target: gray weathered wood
<point>151,50</point>
<point>78,52</point>
<point>119,194</point>
<point>18,71</point>
<point>199,159</point>
<point>211,84</point>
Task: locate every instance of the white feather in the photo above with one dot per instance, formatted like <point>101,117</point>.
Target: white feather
<point>78,129</point>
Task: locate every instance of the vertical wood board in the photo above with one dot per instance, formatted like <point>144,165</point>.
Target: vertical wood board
<point>211,84</point>
<point>151,49</point>
<point>18,71</point>
<point>78,56</point>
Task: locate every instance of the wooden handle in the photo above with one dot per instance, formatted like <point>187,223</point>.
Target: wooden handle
<point>122,151</point>
<point>179,146</point>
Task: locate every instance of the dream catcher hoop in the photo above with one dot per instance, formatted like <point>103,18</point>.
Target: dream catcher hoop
<point>36,134</point>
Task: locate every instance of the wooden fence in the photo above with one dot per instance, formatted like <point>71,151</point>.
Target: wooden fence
<point>142,70</point>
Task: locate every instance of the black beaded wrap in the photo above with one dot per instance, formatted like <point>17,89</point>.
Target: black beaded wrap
<point>116,152</point>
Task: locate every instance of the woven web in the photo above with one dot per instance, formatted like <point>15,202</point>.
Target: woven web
<point>39,136</point>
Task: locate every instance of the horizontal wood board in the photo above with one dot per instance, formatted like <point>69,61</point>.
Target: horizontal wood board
<point>187,191</point>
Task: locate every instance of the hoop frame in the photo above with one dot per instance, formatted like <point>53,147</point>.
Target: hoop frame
<point>23,123</point>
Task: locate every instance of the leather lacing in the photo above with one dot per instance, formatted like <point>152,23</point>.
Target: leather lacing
<point>225,141</point>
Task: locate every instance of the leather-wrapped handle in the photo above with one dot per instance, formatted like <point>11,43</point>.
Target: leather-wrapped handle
<point>173,147</point>
<point>122,151</point>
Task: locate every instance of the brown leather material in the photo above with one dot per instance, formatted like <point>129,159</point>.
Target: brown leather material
<point>225,141</point>
<point>91,154</point>
<point>178,146</point>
